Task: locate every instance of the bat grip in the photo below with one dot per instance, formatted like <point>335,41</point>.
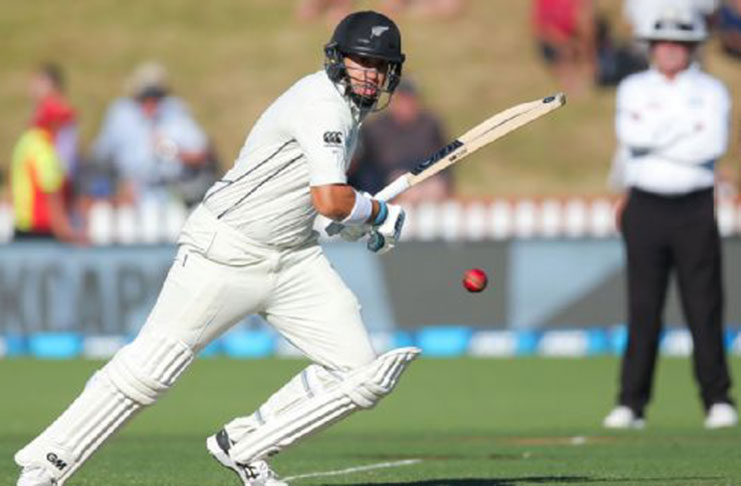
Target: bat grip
<point>399,185</point>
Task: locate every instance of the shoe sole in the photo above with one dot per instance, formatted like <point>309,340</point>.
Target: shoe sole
<point>217,453</point>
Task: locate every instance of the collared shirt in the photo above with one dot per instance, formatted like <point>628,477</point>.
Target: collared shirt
<point>671,131</point>
<point>305,138</point>
<point>143,150</point>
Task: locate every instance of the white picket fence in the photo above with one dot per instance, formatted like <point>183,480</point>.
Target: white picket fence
<point>450,220</point>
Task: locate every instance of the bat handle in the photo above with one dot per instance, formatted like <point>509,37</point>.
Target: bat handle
<point>399,185</point>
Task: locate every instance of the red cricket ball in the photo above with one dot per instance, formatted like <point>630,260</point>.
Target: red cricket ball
<point>474,280</point>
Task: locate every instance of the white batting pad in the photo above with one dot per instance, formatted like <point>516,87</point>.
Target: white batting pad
<point>135,377</point>
<point>312,400</point>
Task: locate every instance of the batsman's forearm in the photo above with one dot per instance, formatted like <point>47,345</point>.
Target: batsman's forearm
<point>336,201</point>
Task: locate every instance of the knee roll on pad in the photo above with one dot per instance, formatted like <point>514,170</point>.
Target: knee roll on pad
<point>312,400</point>
<point>146,368</point>
<point>368,384</point>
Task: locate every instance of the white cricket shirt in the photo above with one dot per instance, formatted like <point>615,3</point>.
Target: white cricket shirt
<point>305,138</point>
<point>671,132</point>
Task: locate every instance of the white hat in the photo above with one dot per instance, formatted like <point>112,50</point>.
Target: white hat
<point>150,76</point>
<point>677,24</point>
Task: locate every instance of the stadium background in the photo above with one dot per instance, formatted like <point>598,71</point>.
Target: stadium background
<point>469,422</point>
<point>230,59</point>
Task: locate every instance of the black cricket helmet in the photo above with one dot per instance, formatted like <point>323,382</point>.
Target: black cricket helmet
<point>365,34</point>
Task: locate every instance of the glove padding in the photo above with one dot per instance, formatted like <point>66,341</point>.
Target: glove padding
<point>354,232</point>
<point>384,236</point>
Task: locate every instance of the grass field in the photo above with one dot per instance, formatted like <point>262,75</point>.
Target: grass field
<point>467,422</point>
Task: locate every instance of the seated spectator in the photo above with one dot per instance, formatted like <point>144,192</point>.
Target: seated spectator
<point>565,30</point>
<point>38,175</point>
<point>729,27</point>
<point>152,143</point>
<point>395,142</point>
<point>427,8</point>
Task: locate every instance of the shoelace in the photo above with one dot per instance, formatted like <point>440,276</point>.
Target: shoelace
<point>252,472</point>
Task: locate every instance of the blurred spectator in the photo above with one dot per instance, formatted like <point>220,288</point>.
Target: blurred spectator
<point>38,173</point>
<point>729,27</point>
<point>615,59</point>
<point>47,90</point>
<point>397,140</point>
<point>152,144</point>
<point>334,10</point>
<point>565,30</point>
<point>439,8</point>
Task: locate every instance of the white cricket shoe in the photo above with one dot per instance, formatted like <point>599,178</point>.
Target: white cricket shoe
<point>35,476</point>
<point>622,417</point>
<point>721,415</point>
<point>257,473</point>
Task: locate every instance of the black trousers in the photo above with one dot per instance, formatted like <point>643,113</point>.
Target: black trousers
<point>661,234</point>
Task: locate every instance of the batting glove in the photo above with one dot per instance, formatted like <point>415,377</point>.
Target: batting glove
<point>386,229</point>
<point>354,232</point>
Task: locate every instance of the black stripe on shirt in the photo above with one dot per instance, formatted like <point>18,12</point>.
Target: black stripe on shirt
<point>230,182</point>
<point>267,179</point>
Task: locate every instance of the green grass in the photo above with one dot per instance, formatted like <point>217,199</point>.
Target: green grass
<point>472,422</point>
<point>229,59</point>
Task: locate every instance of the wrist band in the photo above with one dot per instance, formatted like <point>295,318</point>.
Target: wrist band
<point>383,212</point>
<point>361,210</point>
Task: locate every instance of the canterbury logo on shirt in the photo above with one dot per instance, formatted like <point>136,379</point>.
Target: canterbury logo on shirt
<point>333,138</point>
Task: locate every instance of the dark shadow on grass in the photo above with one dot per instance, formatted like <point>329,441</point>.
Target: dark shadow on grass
<point>528,480</point>
<point>486,482</point>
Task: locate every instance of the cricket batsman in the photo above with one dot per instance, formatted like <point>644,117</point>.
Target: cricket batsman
<point>249,247</point>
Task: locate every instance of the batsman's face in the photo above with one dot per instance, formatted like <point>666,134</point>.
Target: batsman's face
<point>367,75</point>
<point>670,58</point>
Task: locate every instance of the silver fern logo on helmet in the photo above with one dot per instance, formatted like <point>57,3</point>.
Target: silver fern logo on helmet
<point>378,30</point>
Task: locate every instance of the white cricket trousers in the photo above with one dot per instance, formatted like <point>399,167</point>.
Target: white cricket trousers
<point>219,276</point>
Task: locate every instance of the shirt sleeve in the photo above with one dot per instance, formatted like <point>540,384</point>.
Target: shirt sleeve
<point>709,125</point>
<point>640,128</point>
<point>106,143</point>
<point>48,169</point>
<point>323,134</point>
<point>181,127</point>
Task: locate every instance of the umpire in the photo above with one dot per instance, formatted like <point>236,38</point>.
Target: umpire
<point>672,125</point>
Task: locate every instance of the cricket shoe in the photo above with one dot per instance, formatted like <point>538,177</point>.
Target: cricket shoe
<point>721,415</point>
<point>35,476</point>
<point>622,417</point>
<point>256,473</point>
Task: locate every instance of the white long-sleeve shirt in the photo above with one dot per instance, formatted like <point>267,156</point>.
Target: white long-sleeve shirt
<point>305,138</point>
<point>671,131</point>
